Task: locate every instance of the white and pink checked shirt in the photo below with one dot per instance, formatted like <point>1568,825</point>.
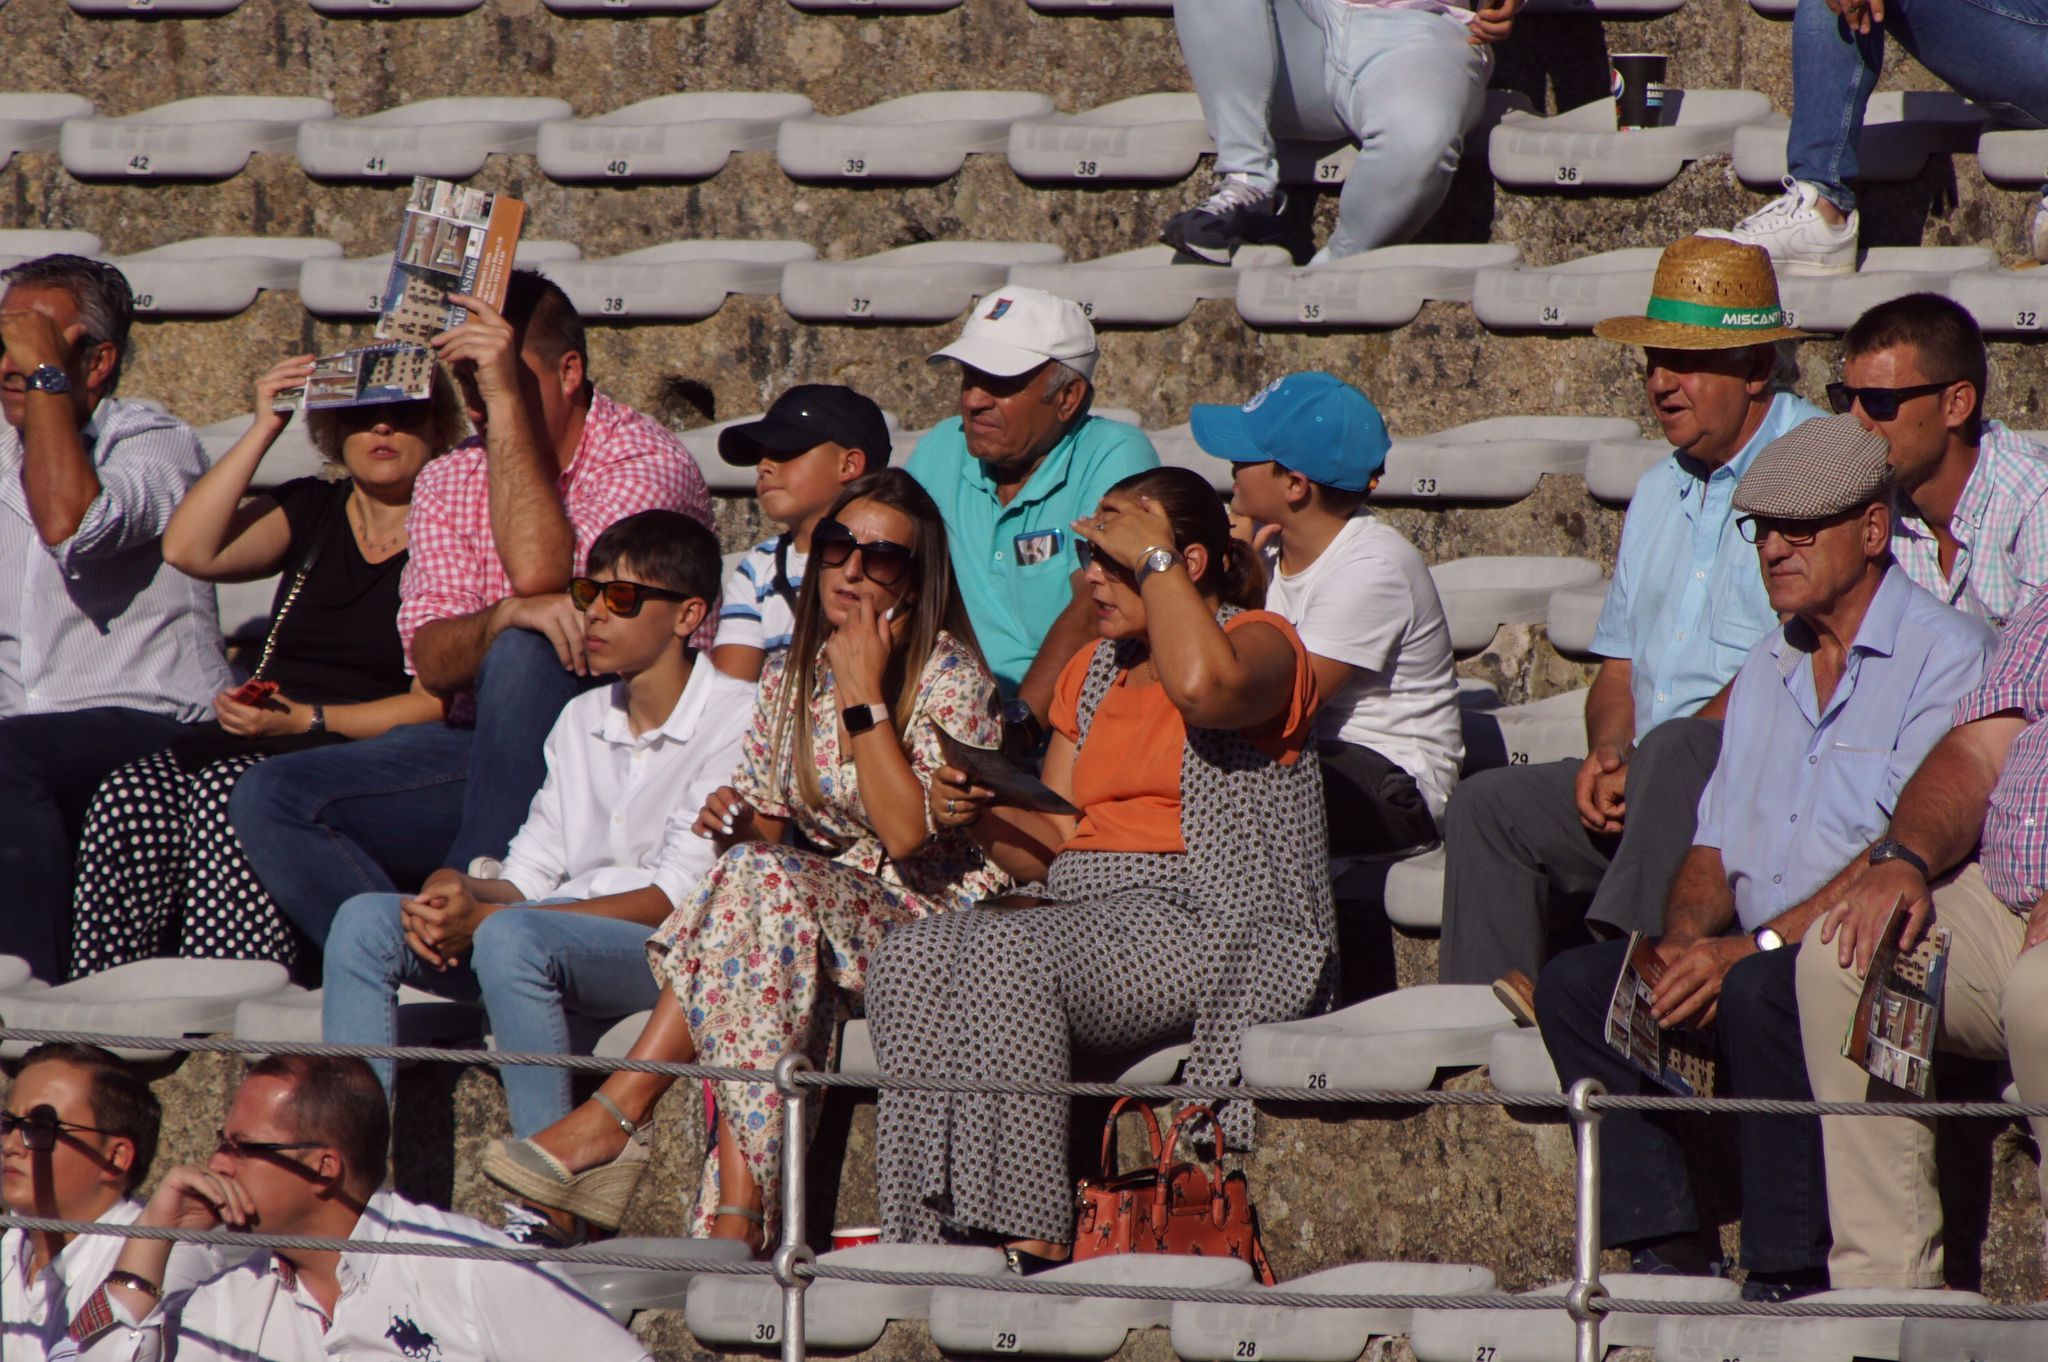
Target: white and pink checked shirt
<point>2014,849</point>
<point>625,462</point>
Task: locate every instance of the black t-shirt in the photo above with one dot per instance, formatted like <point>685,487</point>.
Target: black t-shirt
<point>339,643</point>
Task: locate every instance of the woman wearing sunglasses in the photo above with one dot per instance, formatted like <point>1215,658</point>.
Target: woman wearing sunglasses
<point>844,741</point>
<point>1189,898</point>
<point>159,869</point>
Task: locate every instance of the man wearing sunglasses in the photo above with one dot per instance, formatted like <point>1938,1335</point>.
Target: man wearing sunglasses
<point>302,1152</point>
<point>77,1135</point>
<point>1972,523</point>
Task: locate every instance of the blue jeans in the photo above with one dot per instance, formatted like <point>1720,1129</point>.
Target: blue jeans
<point>1992,51</point>
<point>1403,84</point>
<point>532,967</point>
<point>369,816</point>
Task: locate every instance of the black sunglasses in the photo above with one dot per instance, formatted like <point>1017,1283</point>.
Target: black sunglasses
<point>1754,529</point>
<point>1087,554</point>
<point>885,561</point>
<point>1879,404</point>
<point>623,599</point>
<point>40,1128</point>
<point>397,415</point>
<point>227,1144</point>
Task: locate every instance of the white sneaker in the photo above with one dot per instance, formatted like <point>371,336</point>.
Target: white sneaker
<point>1800,240</point>
<point>2041,230</point>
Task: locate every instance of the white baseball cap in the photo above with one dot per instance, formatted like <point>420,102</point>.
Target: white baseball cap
<point>1014,330</point>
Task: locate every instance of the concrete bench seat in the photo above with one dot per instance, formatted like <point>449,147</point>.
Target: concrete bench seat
<point>1144,287</point>
<point>1834,302</point>
<point>1549,729</point>
<point>720,476</point>
<point>1272,1333</point>
<point>1614,467</point>
<point>1379,288</point>
<point>1105,7</point>
<point>1154,138</point>
<point>1548,1336</point>
<point>1176,448</point>
<point>33,121</point>
<point>624,8</point>
<point>144,9</point>
<point>244,608</point>
<point>27,244</point>
<point>449,138</point>
<point>293,1014</point>
<point>671,137</point>
<point>391,9</point>
<point>355,287</point>
<point>1574,615</point>
<point>624,1290</point>
<point>677,281</point>
<point>1581,148</point>
<point>931,282</point>
<point>2004,302</point>
<point>874,6</point>
<point>1481,594</point>
<point>1901,129</point>
<point>291,456</point>
<point>746,1312</point>
<point>1414,892</point>
<point>923,137</point>
<point>218,276</point>
<point>1775,9</point>
<point>143,998</point>
<point>1399,1041</point>
<point>1572,296</point>
<point>1691,1339</point>
<point>1161,1065</point>
<point>14,974</point>
<point>1618,9</point>
<point>982,1322</point>
<point>1500,459</point>
<point>1519,1062</point>
<point>2014,157</point>
<point>209,138</point>
<point>1979,1340</point>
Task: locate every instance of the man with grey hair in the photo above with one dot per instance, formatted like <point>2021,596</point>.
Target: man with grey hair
<point>1022,461</point>
<point>106,653</point>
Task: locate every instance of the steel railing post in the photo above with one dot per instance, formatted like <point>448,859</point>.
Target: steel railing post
<point>1586,1288</point>
<point>795,1250</point>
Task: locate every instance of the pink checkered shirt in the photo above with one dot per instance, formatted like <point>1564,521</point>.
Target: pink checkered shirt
<point>2014,851</point>
<point>625,462</point>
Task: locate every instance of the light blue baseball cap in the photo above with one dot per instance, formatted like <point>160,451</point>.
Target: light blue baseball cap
<point>1311,423</point>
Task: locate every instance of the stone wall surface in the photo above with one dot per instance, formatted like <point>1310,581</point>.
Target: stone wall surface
<point>1443,1184</point>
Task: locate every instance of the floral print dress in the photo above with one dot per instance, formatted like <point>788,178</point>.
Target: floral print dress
<point>763,957</point>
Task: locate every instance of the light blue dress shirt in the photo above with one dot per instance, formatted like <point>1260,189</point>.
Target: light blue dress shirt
<point>1688,599</point>
<point>1800,790</point>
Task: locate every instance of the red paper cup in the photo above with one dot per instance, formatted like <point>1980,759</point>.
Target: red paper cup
<point>856,1236</point>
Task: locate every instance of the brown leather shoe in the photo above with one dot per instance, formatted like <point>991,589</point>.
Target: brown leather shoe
<point>1517,993</point>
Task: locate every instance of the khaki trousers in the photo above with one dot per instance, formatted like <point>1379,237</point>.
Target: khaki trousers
<point>1883,1201</point>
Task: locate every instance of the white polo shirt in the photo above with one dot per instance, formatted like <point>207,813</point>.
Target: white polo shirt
<point>37,1310</point>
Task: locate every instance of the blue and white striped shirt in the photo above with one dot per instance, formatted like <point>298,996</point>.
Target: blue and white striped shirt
<point>754,614</point>
<point>99,619</point>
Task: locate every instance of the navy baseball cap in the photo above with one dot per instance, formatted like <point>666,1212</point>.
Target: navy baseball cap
<point>1311,423</point>
<point>805,416</point>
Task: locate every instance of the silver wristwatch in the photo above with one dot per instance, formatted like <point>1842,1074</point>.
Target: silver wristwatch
<point>48,378</point>
<point>1154,559</point>
<point>1767,940</point>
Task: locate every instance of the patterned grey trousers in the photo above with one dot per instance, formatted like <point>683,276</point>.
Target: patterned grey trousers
<point>1016,992</point>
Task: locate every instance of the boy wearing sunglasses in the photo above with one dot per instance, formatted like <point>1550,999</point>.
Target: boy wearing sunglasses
<point>77,1134</point>
<point>606,851</point>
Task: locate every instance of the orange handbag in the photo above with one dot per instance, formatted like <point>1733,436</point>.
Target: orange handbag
<point>1170,1207</point>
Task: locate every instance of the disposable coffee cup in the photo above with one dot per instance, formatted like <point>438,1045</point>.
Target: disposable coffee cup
<point>856,1236</point>
<point>1638,78</point>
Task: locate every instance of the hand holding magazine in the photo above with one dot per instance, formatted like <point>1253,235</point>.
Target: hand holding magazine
<point>1010,784</point>
<point>1899,1012</point>
<point>1679,1058</point>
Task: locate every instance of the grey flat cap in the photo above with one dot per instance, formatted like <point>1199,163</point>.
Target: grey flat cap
<point>1821,468</point>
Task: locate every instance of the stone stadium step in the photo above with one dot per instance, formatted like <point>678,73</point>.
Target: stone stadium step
<point>1698,1338</point>
<point>1614,467</point>
<point>1980,1340</point>
<point>32,121</point>
<point>1550,729</point>
<point>677,281</point>
<point>930,282</point>
<point>448,138</point>
<point>1570,296</point>
<point>1500,459</point>
<point>922,137</point>
<point>2004,302</point>
<point>1203,1332</point>
<point>209,138</point>
<point>1834,302</point>
<point>720,476</point>
<point>1379,288</point>
<point>624,1290</point>
<point>355,287</point>
<point>144,9</point>
<point>1398,1041</point>
<point>746,1312</point>
<point>985,1322</point>
<point>1574,615</point>
<point>1482,593</point>
<point>391,9</point>
<point>1548,1335</point>
<point>1581,149</point>
<point>293,1014</point>
<point>218,276</point>
<point>1519,1062</point>
<point>1156,137</point>
<point>17,246</point>
<point>2016,157</point>
<point>144,998</point>
<point>1160,1065</point>
<point>672,137</point>
<point>1144,287</point>
<point>1901,129</point>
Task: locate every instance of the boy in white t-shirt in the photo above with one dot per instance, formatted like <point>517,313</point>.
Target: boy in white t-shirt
<point>815,439</point>
<point>1305,452</point>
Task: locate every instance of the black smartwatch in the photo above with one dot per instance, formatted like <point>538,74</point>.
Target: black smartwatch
<point>1891,849</point>
<point>860,718</point>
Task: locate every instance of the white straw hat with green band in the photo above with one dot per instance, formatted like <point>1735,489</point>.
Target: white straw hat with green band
<point>1709,294</point>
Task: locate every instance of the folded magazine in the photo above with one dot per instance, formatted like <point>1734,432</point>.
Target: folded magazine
<point>1892,1034</point>
<point>1680,1059</point>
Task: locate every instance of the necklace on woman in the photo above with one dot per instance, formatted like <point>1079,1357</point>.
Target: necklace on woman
<point>374,548</point>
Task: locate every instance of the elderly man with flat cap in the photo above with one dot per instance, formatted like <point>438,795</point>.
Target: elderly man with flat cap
<point>1022,462</point>
<point>1830,714</point>
<point>1536,852</point>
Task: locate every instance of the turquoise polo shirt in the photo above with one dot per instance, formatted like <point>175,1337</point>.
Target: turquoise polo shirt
<point>1015,563</point>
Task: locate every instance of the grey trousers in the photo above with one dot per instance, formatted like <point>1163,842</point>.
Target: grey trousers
<point>1520,867</point>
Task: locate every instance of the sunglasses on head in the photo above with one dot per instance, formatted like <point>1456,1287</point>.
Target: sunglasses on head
<point>884,561</point>
<point>40,1128</point>
<point>224,1143</point>
<point>622,599</point>
<point>1879,404</point>
<point>1754,529</point>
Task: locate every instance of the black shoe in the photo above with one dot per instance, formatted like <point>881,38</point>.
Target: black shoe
<point>1651,1262</point>
<point>1773,1288</point>
<point>1235,214</point>
<point>1030,1264</point>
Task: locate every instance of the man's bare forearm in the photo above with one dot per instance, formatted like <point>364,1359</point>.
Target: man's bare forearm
<point>534,538</point>
<point>1700,904</point>
<point>1941,810</point>
<point>1611,708</point>
<point>448,653</point>
<point>57,475</point>
<point>1072,631</point>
